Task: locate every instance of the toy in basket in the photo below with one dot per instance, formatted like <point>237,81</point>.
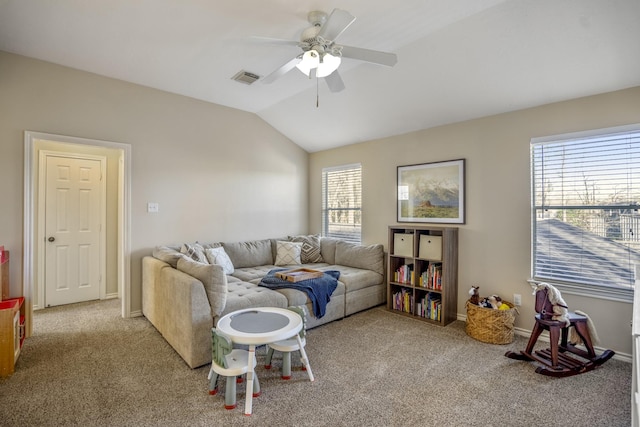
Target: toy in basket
<point>490,319</point>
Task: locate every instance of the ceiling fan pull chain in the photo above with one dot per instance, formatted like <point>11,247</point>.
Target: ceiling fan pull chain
<point>317,93</point>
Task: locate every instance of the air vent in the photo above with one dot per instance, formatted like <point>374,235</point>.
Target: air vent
<point>245,77</point>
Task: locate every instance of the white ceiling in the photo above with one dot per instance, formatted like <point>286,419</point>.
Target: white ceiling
<point>457,59</point>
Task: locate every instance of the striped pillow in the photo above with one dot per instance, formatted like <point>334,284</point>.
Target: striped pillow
<point>195,251</point>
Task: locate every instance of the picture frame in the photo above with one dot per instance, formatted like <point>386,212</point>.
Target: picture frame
<point>432,192</point>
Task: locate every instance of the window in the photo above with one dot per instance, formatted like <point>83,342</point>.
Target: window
<point>341,202</point>
<point>585,219</point>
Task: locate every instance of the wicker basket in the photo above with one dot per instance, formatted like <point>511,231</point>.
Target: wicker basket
<point>490,325</point>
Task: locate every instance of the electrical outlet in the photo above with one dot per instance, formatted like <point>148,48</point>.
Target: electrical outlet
<point>517,299</point>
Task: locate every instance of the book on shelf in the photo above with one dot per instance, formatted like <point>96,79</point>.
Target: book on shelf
<point>430,306</point>
<point>403,301</point>
<point>404,274</point>
<point>431,278</point>
<point>436,276</point>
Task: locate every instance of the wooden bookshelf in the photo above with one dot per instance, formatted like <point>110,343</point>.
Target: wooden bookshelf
<point>422,279</point>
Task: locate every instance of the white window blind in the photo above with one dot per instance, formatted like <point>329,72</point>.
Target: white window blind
<point>341,202</point>
<point>586,224</point>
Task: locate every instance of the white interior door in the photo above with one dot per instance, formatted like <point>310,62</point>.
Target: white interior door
<point>74,211</point>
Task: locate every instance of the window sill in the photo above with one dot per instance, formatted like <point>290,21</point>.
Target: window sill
<point>598,292</point>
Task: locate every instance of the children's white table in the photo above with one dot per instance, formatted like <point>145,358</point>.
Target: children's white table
<point>258,326</point>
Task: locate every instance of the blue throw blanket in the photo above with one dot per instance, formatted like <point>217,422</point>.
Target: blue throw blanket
<point>319,290</point>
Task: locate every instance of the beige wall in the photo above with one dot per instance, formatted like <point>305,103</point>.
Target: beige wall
<point>495,241</point>
<point>216,172</point>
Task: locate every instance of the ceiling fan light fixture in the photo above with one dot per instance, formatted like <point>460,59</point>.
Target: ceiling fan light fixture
<point>329,64</point>
<point>324,67</point>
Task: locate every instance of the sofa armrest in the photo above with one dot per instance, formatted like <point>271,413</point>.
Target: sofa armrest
<point>177,305</point>
<point>151,268</point>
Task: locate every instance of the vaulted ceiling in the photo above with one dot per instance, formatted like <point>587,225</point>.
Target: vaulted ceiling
<point>457,59</point>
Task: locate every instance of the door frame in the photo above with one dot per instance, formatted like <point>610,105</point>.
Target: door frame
<point>43,155</point>
<point>30,216</point>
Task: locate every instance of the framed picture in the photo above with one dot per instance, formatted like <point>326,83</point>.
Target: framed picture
<point>431,192</point>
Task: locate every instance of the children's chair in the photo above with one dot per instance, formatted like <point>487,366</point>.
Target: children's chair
<point>286,347</point>
<point>231,363</point>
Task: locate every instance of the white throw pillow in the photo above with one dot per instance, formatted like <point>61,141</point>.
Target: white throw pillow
<point>219,257</point>
<point>288,253</point>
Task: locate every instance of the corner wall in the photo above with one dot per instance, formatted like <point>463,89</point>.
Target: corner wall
<point>217,173</point>
<point>495,241</point>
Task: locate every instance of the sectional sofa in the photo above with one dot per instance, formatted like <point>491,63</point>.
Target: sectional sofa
<point>187,288</point>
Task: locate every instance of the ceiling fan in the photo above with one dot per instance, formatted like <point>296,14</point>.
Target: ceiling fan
<point>321,56</point>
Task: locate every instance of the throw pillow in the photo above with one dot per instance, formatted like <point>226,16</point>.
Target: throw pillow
<point>310,248</point>
<point>213,279</point>
<point>288,253</point>
<point>168,255</point>
<point>195,251</point>
<point>219,257</point>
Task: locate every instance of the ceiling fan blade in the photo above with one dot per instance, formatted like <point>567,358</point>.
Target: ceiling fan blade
<point>269,40</point>
<point>334,81</point>
<point>374,56</point>
<point>337,22</point>
<point>282,70</point>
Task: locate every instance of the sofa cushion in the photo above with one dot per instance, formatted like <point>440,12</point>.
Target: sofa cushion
<point>360,256</point>
<point>219,257</point>
<point>194,251</point>
<point>249,254</point>
<point>356,278</point>
<point>310,248</point>
<point>328,249</point>
<point>288,253</point>
<point>168,255</point>
<point>249,274</point>
<point>213,279</point>
<point>247,295</point>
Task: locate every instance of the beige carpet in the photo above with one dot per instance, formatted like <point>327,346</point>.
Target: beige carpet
<point>86,366</point>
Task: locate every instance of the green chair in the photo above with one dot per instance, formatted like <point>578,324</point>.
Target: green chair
<point>286,347</point>
<point>231,363</point>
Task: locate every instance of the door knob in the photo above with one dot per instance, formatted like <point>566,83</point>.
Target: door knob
<point>51,239</point>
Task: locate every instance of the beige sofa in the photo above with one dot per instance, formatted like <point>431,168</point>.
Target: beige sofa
<point>184,292</point>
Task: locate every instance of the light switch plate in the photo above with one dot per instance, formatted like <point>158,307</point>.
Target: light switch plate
<point>153,207</point>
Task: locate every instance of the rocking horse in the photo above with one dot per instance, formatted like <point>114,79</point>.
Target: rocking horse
<point>553,315</point>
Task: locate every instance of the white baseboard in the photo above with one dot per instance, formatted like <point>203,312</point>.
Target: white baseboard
<point>545,338</point>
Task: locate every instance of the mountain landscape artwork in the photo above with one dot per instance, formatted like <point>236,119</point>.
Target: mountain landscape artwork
<point>431,192</point>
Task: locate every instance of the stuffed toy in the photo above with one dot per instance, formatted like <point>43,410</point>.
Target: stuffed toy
<point>495,301</point>
<point>485,303</point>
<point>474,295</point>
